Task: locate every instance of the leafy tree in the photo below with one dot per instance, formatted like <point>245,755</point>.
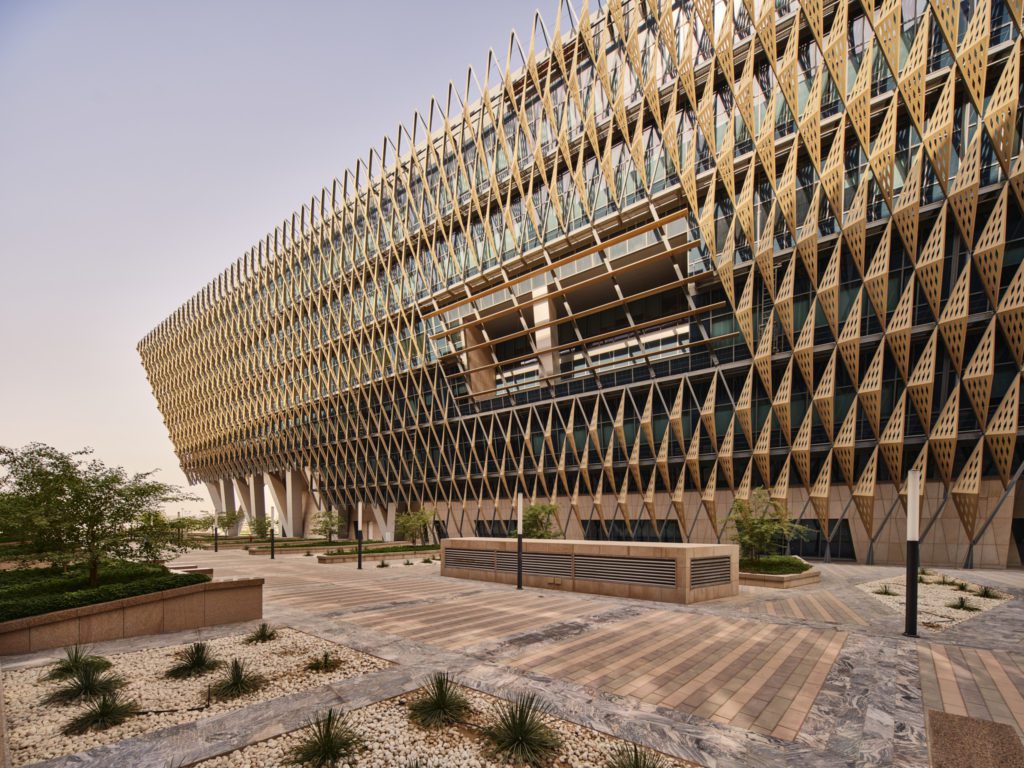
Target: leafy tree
<point>69,509</point>
<point>539,522</point>
<point>327,522</point>
<point>414,525</point>
<point>225,520</point>
<point>761,524</point>
<point>259,527</point>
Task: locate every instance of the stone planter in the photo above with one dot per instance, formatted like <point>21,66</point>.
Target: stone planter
<point>401,557</point>
<point>780,580</point>
<point>197,605</point>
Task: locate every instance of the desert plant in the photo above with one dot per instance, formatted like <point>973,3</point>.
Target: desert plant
<point>924,571</point>
<point>921,579</point>
<point>192,661</point>
<point>383,564</point>
<point>238,681</point>
<point>961,604</point>
<point>441,703</point>
<point>86,683</point>
<point>520,734</point>
<point>962,586</point>
<point>988,593</point>
<point>632,756</point>
<point>885,589</point>
<point>761,523</point>
<point>944,580</point>
<point>104,712</point>
<point>76,657</point>
<point>323,663</point>
<point>408,562</point>
<point>264,633</point>
<point>327,740</point>
<point>428,560</point>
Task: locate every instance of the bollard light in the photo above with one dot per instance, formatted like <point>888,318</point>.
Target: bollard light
<point>519,544</point>
<point>913,551</point>
<point>359,536</point>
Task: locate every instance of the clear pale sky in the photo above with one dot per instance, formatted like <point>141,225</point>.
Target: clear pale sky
<point>145,145</point>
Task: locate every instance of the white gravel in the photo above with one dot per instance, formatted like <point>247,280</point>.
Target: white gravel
<point>933,598</point>
<point>390,740</point>
<point>34,729</point>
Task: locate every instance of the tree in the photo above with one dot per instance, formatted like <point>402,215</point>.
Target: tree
<point>70,509</point>
<point>762,524</point>
<point>327,522</point>
<point>225,520</point>
<point>539,522</point>
<point>414,525</point>
<point>259,527</point>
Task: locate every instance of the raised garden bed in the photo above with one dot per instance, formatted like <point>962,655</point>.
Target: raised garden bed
<point>299,549</point>
<point>778,572</point>
<point>34,728</point>
<point>941,601</point>
<point>390,740</point>
<point>391,554</point>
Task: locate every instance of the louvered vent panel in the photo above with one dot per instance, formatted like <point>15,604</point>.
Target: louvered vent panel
<point>470,558</point>
<point>540,563</point>
<point>631,570</point>
<point>709,571</point>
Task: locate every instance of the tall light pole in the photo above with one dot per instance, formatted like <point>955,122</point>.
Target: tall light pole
<point>272,533</point>
<point>913,552</point>
<point>519,544</point>
<point>359,536</point>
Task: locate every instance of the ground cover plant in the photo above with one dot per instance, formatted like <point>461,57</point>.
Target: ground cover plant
<point>192,661</point>
<point>76,658</point>
<point>774,564</point>
<point>237,681</point>
<point>264,633</point>
<point>326,741</point>
<point>520,734</point>
<point>442,703</point>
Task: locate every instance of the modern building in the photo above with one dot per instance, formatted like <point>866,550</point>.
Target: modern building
<point>661,255</point>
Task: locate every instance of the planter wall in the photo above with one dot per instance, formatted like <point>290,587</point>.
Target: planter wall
<point>197,605</point>
<point>780,580</point>
<point>401,557</point>
<point>315,549</point>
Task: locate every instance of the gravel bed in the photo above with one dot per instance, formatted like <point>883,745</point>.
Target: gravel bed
<point>34,729</point>
<point>933,599</point>
<point>390,740</point>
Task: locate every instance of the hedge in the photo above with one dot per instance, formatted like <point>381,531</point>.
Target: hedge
<point>386,550</point>
<point>774,564</point>
<point>30,592</point>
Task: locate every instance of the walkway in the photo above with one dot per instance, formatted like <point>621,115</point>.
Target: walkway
<point>816,677</point>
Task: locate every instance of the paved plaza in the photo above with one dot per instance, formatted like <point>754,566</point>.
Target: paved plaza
<point>819,676</point>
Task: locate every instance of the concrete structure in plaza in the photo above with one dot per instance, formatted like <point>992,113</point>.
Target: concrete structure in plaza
<point>663,254</point>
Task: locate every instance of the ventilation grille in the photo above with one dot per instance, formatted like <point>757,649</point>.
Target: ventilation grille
<point>709,571</point>
<point>540,563</point>
<point>470,558</point>
<point>630,570</point>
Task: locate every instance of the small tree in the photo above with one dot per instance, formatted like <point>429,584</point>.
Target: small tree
<point>327,522</point>
<point>259,527</point>
<point>69,509</point>
<point>539,522</point>
<point>225,520</point>
<point>761,524</point>
<point>414,525</point>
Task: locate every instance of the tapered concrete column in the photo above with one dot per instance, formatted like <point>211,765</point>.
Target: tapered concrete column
<point>385,519</point>
<point>295,493</point>
<point>480,382</point>
<point>250,493</point>
<point>544,338</point>
<point>279,499</point>
<point>222,493</point>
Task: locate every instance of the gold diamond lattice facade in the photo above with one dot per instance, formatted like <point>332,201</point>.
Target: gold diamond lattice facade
<point>661,254</point>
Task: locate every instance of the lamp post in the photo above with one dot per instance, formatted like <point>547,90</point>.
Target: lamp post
<point>519,544</point>
<point>216,525</point>
<point>913,553</point>
<point>359,536</point>
<point>271,533</point>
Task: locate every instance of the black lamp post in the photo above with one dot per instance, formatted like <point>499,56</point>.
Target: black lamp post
<point>271,533</point>
<point>359,536</point>
<point>913,552</point>
<point>519,544</point>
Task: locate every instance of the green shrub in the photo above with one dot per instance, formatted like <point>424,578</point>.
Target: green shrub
<point>21,597</point>
<point>238,681</point>
<point>988,593</point>
<point>326,741</point>
<point>961,604</point>
<point>104,712</point>
<point>262,634</point>
<point>428,560</point>
<point>397,549</point>
<point>192,661</point>
<point>962,586</point>
<point>520,734</point>
<point>408,562</point>
<point>76,658</point>
<point>323,663</point>
<point>761,523</point>
<point>441,703</point>
<point>885,589</point>
<point>632,756</point>
<point>383,564</point>
<point>774,564</point>
<point>87,683</point>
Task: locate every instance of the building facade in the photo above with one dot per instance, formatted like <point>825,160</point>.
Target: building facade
<point>662,254</point>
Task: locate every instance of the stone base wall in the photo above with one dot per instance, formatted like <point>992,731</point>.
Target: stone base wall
<point>945,544</point>
<point>224,601</point>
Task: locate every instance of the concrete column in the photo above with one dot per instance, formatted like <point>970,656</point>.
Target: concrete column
<point>250,493</point>
<point>295,492</point>
<point>279,498</point>
<point>481,383</point>
<point>545,338</point>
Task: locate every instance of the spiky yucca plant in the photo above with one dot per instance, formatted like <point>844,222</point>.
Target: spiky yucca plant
<point>961,604</point>
<point>520,734</point>
<point>323,663</point>
<point>102,713</point>
<point>237,681</point>
<point>87,683</point>
<point>192,661</point>
<point>632,756</point>
<point>264,633</point>
<point>441,703</point>
<point>76,657</point>
<point>326,741</point>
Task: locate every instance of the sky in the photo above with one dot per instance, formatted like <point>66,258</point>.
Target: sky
<point>146,145</point>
